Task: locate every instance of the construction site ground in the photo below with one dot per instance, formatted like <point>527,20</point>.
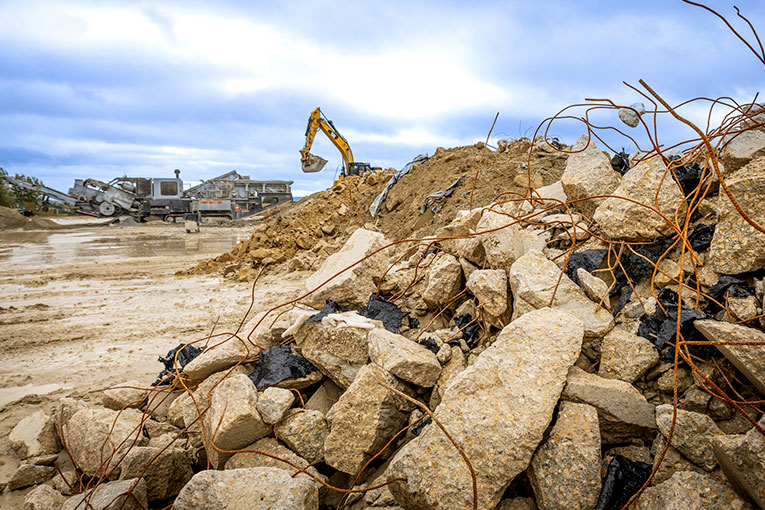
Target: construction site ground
<point>84,307</point>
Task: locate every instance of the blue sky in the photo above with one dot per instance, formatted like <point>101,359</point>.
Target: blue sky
<point>104,89</point>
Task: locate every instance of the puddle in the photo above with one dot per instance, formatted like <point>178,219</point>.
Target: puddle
<point>13,393</point>
<point>30,248</point>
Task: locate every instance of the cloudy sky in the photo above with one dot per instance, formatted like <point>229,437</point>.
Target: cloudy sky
<point>104,89</point>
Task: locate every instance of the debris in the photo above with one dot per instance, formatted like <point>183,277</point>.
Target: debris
<point>701,237</point>
<point>268,487</point>
<point>364,419</point>
<point>278,364</point>
<point>621,162</point>
<point>274,403</point>
<point>96,438</point>
<point>623,411</point>
<point>380,309</point>
<point>565,469</point>
<point>438,196</point>
<point>742,459</point>
<point>588,174</point>
<point>534,281</point>
<point>338,353</point>
<point>119,495</point>
<point>508,241</point>
<point>217,358</point>
<point>625,356</point>
<point>328,308</point>
<point>27,475</point>
<point>688,176</point>
<point>304,431</point>
<point>692,436</point>
<point>660,328</point>
<point>727,286</point>
<point>444,281</point>
<point>353,285</point>
<point>471,330</point>
<point>595,288</point>
<point>183,354</point>
<point>632,220</point>
<point>34,435</point>
<point>376,205</point>
<point>407,360</point>
<point>545,343</point>
<point>490,287</point>
<point>43,497</point>
<point>232,421</point>
<point>691,491</point>
<point>737,247</point>
<point>271,446</point>
<point>631,116</point>
<point>127,394</point>
<point>740,149</point>
<point>325,397</point>
<point>165,471</point>
<point>589,260</point>
<point>747,358</point>
<point>623,479</point>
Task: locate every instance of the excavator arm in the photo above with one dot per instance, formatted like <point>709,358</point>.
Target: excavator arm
<point>313,163</point>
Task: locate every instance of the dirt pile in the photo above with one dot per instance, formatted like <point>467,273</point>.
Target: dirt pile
<point>11,219</point>
<point>323,221</point>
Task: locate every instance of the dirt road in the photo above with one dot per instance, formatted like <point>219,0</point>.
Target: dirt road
<point>87,308</point>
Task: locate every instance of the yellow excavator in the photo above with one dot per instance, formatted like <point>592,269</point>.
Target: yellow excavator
<point>312,163</point>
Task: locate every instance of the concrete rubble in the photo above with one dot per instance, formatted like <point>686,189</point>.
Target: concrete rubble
<point>540,373</point>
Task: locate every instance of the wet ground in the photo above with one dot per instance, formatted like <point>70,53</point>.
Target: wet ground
<point>85,309</point>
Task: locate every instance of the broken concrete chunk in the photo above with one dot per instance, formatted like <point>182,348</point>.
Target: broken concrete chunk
<point>565,469</point>
<point>364,419</point>
<point>742,459</point>
<point>595,288</point>
<point>630,219</point>
<point>444,280</point>
<point>738,247</point>
<point>507,241</point>
<point>625,356</point>
<point>631,116</point>
<point>121,495</point>
<point>218,358</point>
<point>533,280</point>
<point>128,394</point>
<point>34,435</point>
<point>325,397</point>
<point>353,286</point>
<point>164,471</point>
<point>692,436</point>
<point>97,438</point>
<point>276,450</point>
<point>261,487</point>
<point>749,359</point>
<point>233,420</point>
<point>588,173</point>
<point>43,497</point>
<point>687,490</point>
<point>490,287</point>
<point>623,411</point>
<point>274,403</point>
<point>740,149</point>
<point>304,431</point>
<point>30,474</point>
<point>525,369</point>
<point>338,353</point>
<point>403,358</point>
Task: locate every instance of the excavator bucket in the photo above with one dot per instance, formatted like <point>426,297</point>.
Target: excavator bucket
<point>312,163</point>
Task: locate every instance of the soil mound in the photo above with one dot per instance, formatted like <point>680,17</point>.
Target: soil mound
<point>327,218</point>
<point>11,219</point>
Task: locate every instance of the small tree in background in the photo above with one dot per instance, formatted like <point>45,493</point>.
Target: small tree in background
<point>6,198</point>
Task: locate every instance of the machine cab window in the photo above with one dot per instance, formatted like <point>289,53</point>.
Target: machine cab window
<point>168,188</point>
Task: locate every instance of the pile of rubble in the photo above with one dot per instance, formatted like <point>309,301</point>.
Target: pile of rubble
<point>303,235</point>
<point>484,366</point>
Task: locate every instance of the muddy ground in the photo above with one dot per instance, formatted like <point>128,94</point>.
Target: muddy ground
<point>89,307</point>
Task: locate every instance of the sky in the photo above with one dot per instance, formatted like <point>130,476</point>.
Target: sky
<point>104,89</point>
